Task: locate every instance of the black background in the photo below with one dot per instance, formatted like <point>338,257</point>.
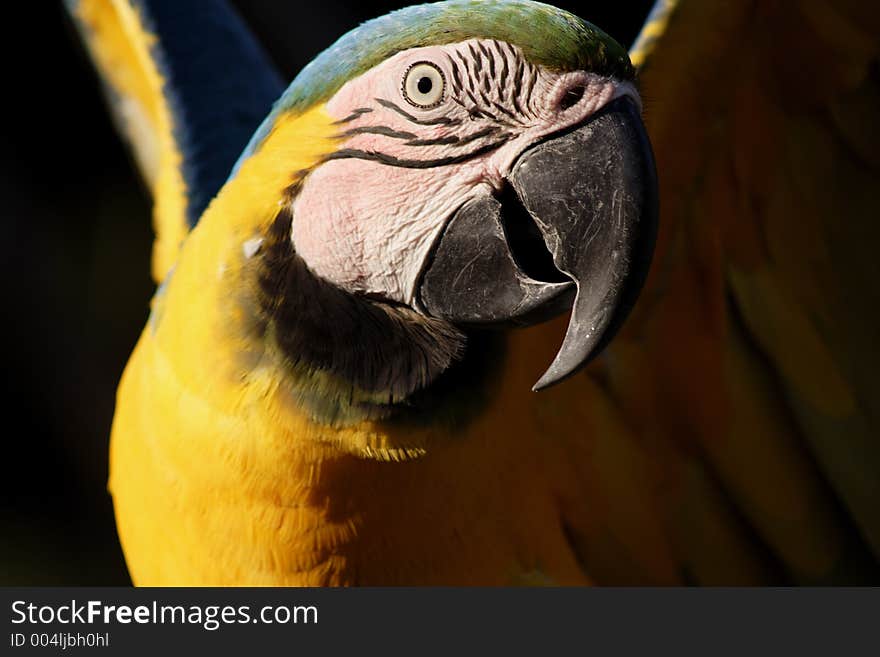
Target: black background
<point>74,270</point>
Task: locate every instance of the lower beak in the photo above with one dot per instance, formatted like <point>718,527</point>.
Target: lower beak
<point>584,241</point>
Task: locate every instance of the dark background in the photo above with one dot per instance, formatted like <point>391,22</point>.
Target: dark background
<point>74,271</point>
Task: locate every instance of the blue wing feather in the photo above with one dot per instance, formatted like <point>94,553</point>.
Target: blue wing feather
<point>219,85</point>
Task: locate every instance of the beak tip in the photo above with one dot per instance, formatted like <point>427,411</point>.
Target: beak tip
<point>562,367</point>
<point>542,384</point>
<point>552,376</point>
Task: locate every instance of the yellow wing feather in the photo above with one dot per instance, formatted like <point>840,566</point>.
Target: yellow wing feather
<point>121,48</point>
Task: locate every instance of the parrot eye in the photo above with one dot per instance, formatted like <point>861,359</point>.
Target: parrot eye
<point>423,85</point>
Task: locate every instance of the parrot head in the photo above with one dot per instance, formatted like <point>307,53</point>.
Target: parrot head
<point>490,169</point>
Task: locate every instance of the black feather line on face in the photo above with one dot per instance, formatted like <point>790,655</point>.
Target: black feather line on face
<point>442,120</point>
<point>474,102</point>
<point>468,75</point>
<point>530,85</point>
<point>355,114</point>
<point>390,160</point>
<point>502,82</point>
<point>457,141</point>
<point>475,58</point>
<point>490,55</point>
<point>483,50</point>
<point>513,117</point>
<point>517,86</point>
<point>380,130</point>
<point>456,78</point>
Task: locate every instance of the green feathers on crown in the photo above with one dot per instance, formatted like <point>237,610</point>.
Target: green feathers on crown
<point>547,36</point>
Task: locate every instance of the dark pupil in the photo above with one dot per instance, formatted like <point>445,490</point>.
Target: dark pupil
<point>425,85</point>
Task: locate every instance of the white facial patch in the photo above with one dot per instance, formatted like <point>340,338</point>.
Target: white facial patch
<point>423,133</point>
<point>375,241</point>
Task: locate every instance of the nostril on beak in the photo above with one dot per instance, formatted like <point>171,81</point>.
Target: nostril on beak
<point>572,97</point>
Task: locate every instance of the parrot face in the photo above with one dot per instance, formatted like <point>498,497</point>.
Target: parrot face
<point>477,187</point>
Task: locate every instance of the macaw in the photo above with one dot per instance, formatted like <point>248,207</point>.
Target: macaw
<point>363,276</point>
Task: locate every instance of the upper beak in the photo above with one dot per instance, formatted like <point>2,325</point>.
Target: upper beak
<point>588,234</point>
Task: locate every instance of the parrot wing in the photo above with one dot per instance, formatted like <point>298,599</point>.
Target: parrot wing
<point>742,393</point>
<point>188,85</point>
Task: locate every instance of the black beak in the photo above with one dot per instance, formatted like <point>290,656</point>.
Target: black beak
<point>588,234</point>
